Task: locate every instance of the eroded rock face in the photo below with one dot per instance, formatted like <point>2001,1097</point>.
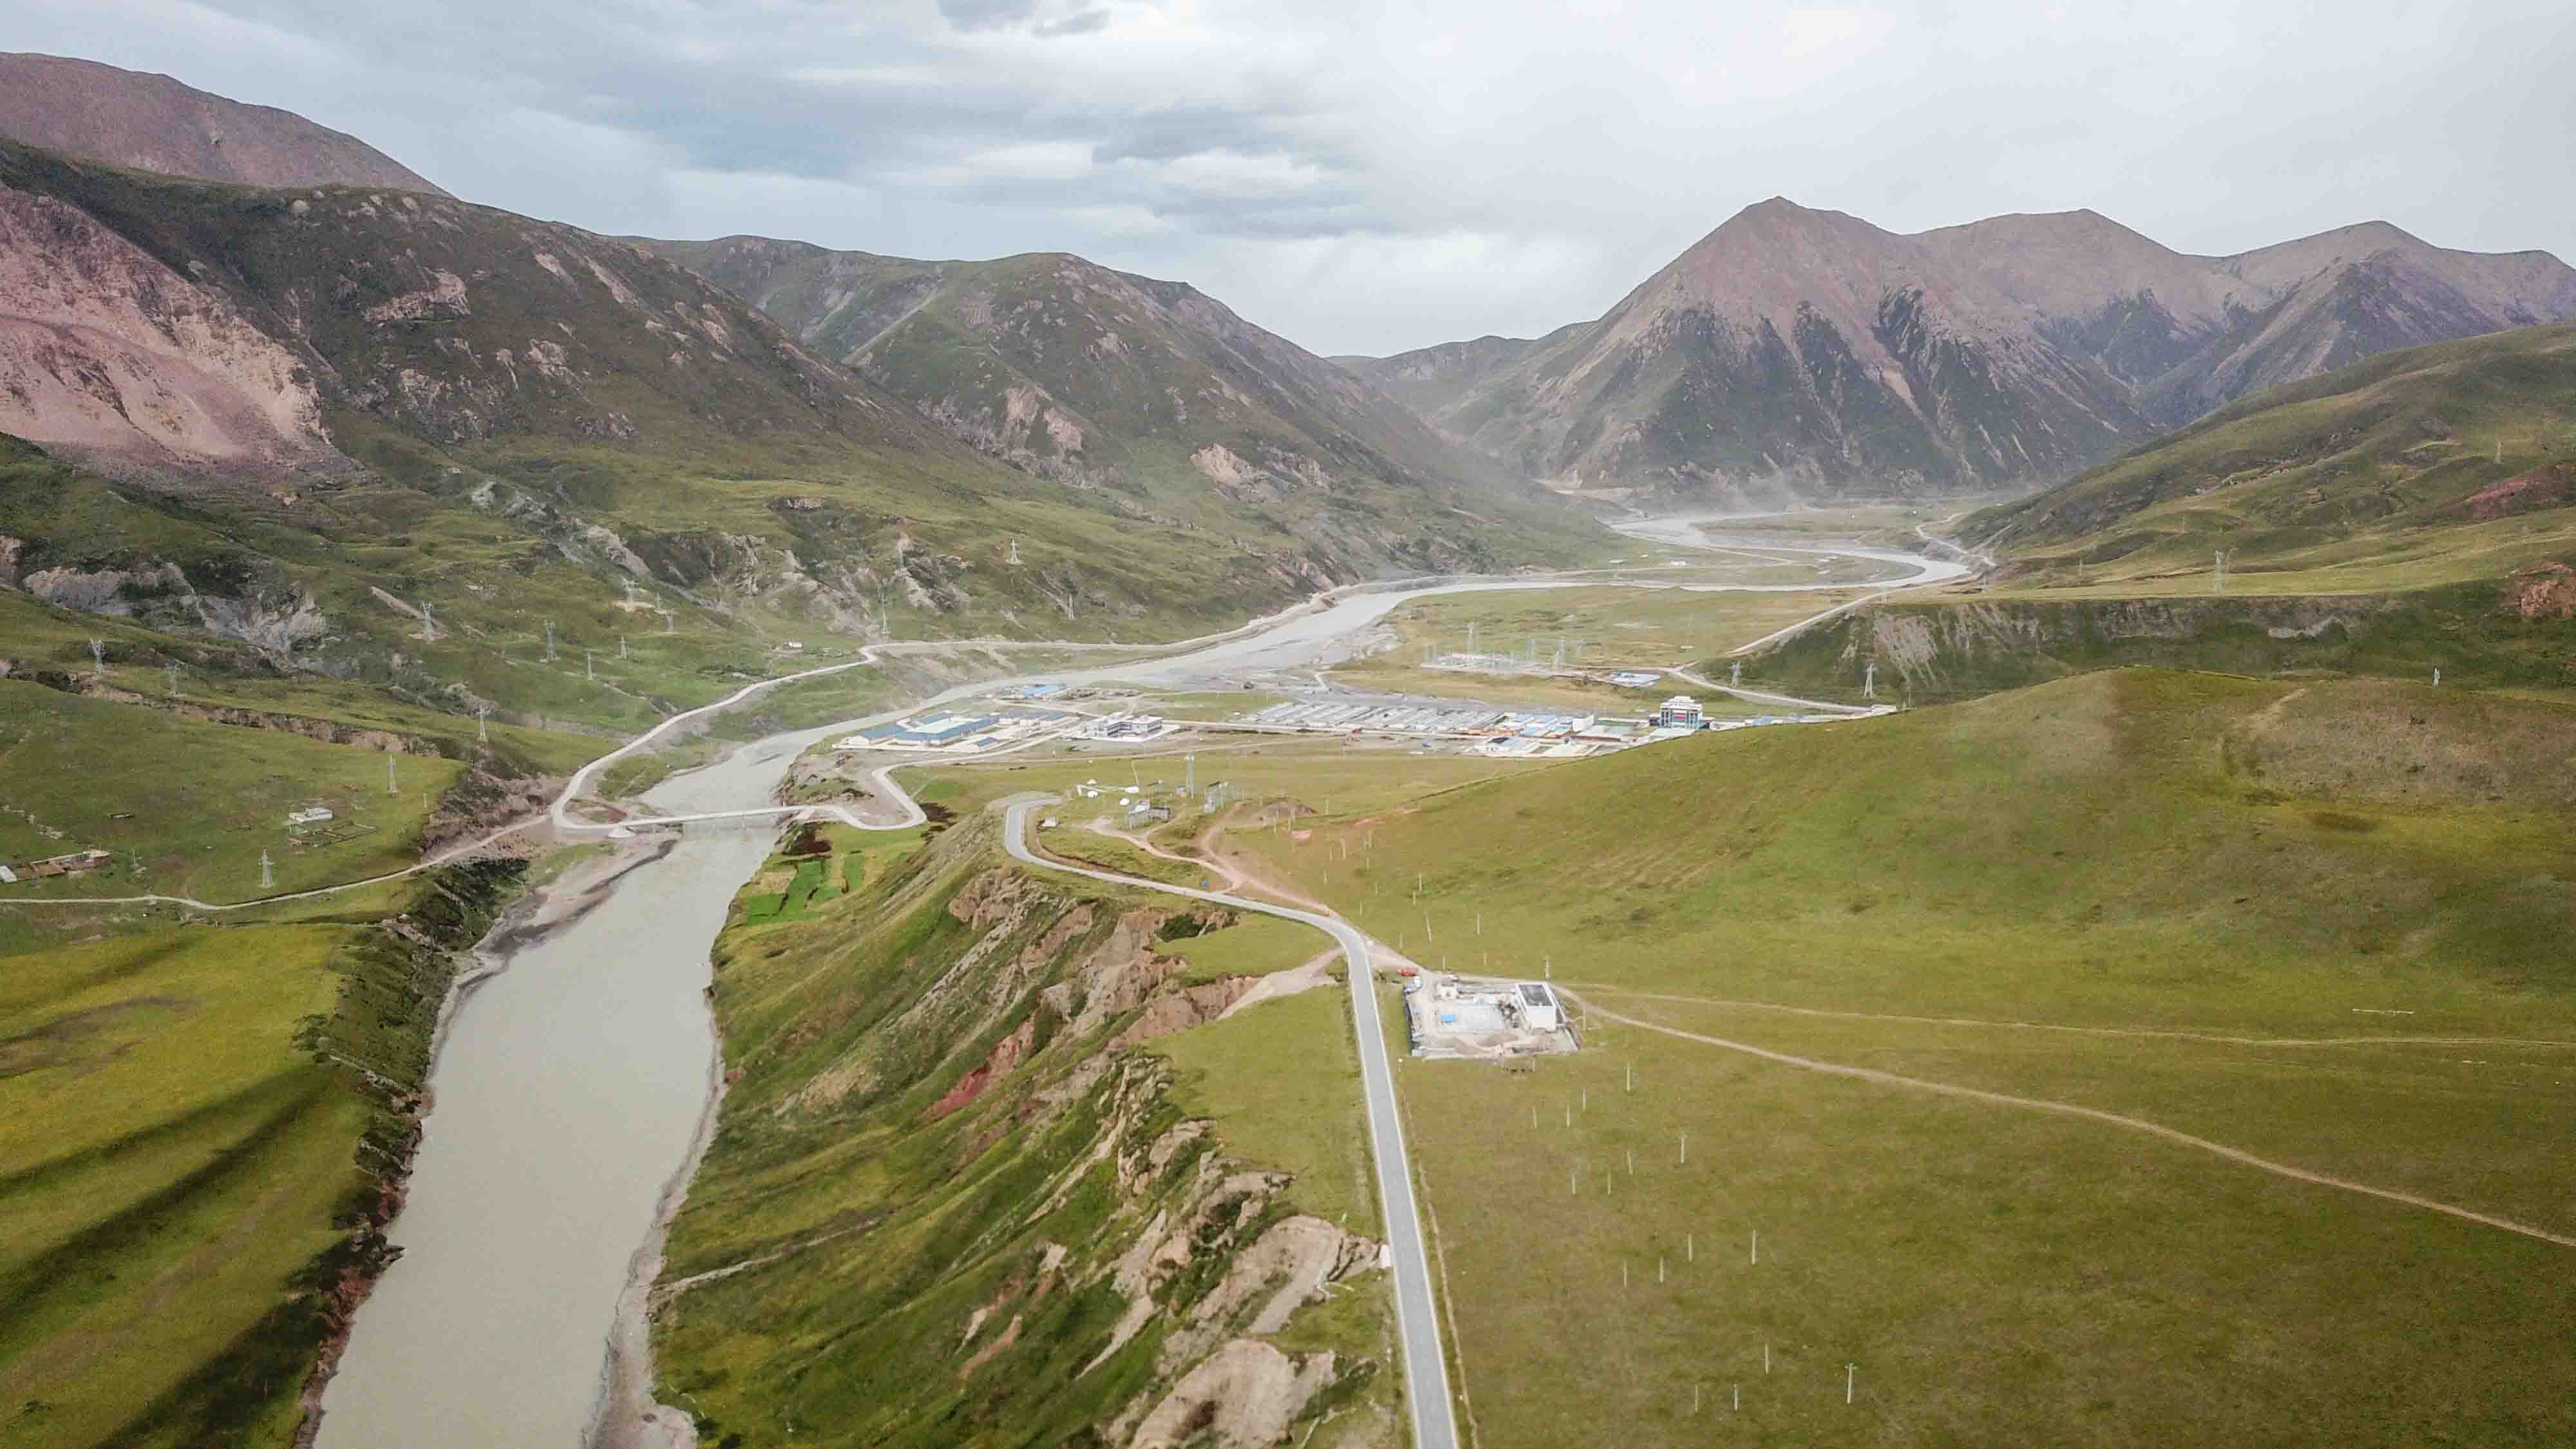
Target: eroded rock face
<point>1246,1393</point>
<point>108,354</point>
<point>276,620</point>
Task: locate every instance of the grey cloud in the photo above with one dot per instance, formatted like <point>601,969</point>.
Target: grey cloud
<point>986,14</point>
<point>1366,177</point>
<point>1082,22</point>
<point>974,15</point>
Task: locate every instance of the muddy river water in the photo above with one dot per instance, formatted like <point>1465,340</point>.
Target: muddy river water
<point>571,1088</point>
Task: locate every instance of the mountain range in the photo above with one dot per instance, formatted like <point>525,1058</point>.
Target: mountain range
<point>377,363</point>
<point>1150,391</point>
<point>1799,353</point>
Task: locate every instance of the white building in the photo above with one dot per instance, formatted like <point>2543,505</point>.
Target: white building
<point>1539,1011</point>
<point>1680,712</point>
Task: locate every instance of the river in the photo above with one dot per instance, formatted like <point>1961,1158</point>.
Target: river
<point>572,1083</point>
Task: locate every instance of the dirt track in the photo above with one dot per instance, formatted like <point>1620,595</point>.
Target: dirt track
<point>2069,1109</point>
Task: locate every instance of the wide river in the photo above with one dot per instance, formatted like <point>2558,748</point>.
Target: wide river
<point>571,1086</point>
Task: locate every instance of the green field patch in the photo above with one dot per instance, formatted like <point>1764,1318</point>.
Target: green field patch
<point>1256,945</point>
<point>1281,1082</point>
<point>188,807</point>
<point>163,1141</point>
<point>1109,853</point>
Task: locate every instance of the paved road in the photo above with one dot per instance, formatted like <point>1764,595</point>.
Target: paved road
<point>1417,1314</point>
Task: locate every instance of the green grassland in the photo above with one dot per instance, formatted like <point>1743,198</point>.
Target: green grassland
<point>1281,1081</point>
<point>198,1127</point>
<point>170,1160</point>
<point>1084,846</point>
<point>1253,946</point>
<point>199,802</point>
<point>869,1202</point>
<point>2023,895</point>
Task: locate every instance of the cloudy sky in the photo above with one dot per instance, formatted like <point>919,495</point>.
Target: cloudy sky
<point>1370,177</point>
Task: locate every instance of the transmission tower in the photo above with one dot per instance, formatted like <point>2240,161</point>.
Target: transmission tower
<point>482,732</point>
<point>550,640</point>
<point>267,873</point>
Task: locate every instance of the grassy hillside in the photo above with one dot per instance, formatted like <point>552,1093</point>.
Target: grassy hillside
<point>2314,923</point>
<point>947,1204</point>
<point>201,1132</point>
<point>2508,634</point>
<point>2432,465</point>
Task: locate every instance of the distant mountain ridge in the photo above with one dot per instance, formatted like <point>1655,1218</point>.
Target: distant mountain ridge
<point>154,123</point>
<point>1802,353</point>
<point>1141,390</point>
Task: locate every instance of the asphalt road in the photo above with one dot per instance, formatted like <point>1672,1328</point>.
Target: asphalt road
<point>1417,1315</point>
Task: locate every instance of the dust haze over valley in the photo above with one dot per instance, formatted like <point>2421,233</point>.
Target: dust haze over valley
<point>1103,722</point>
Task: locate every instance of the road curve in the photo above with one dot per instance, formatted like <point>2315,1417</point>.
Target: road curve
<point>1417,1313</point>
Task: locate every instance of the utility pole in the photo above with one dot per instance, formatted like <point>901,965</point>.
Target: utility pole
<point>267,873</point>
<point>2222,571</point>
<point>550,640</point>
<point>621,646</point>
<point>588,669</point>
<point>389,776</point>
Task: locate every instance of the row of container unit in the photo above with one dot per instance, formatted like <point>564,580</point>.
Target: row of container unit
<point>1423,719</point>
<point>960,731</point>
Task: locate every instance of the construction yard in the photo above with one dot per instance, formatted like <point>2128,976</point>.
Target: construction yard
<point>1450,1018</point>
